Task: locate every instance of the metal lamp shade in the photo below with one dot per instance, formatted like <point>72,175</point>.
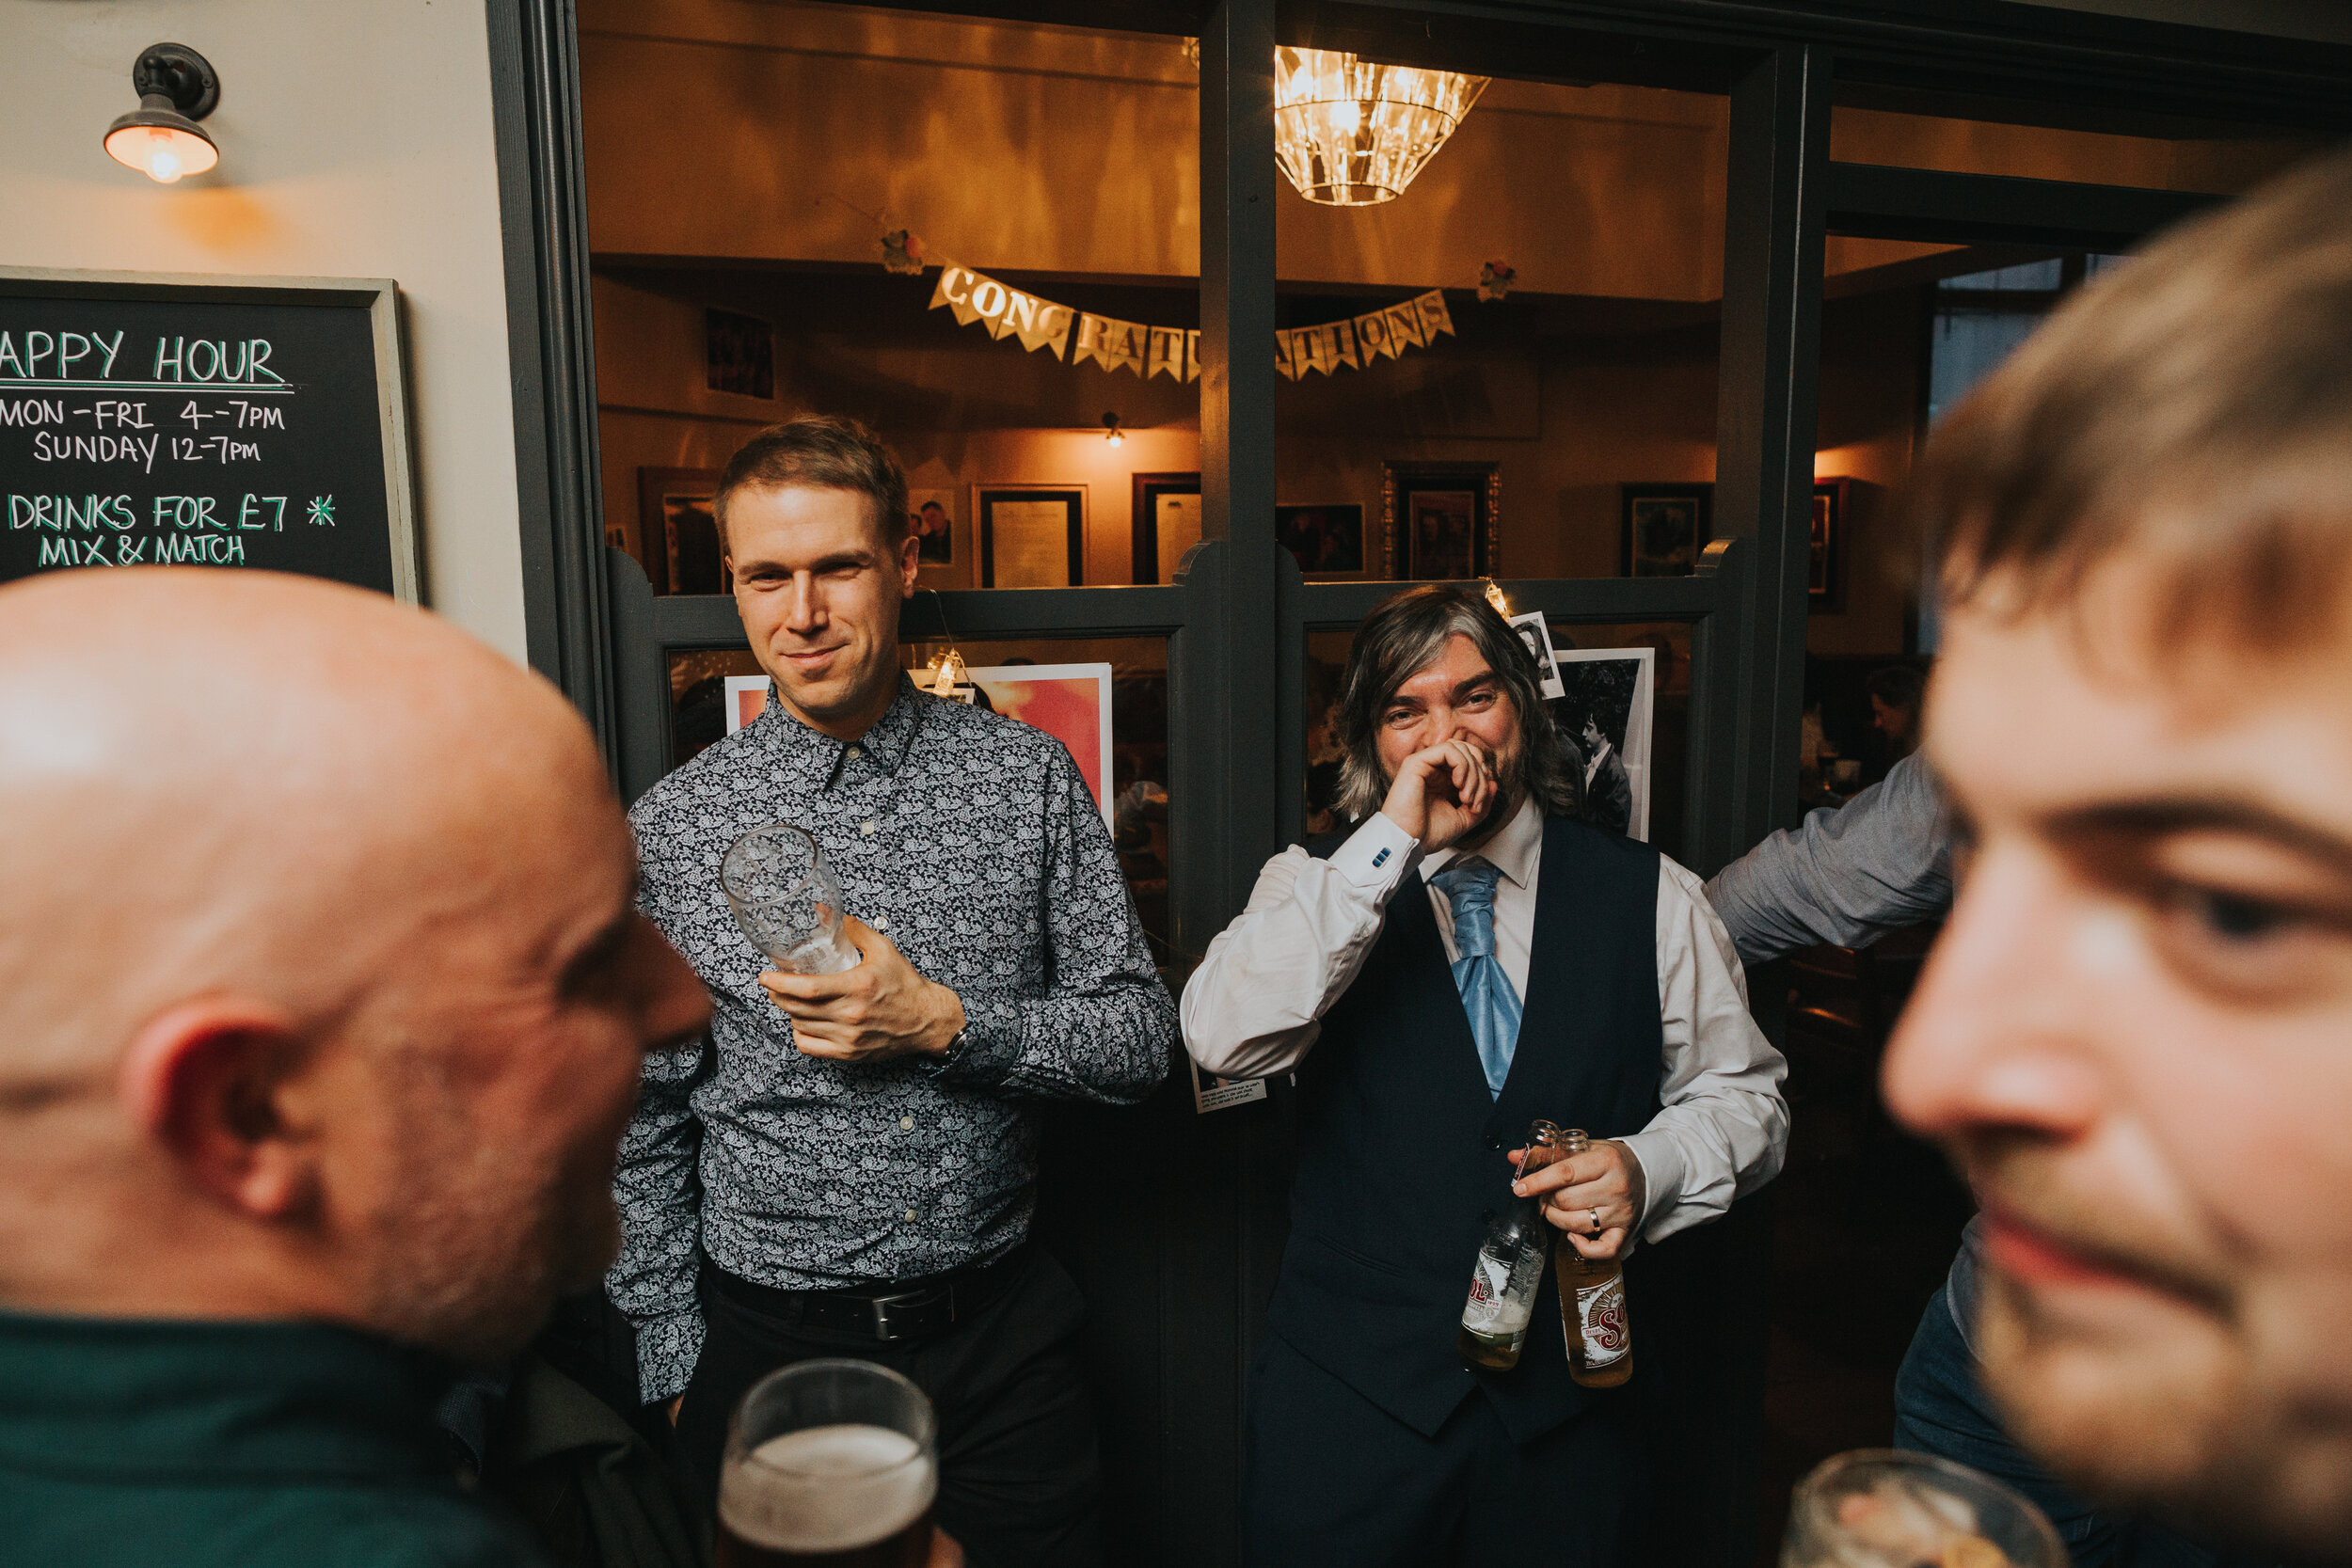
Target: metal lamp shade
<point>160,142</point>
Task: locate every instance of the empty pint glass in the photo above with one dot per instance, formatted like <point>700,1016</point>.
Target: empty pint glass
<point>829,1462</point>
<point>786,900</point>
<point>1888,1508</point>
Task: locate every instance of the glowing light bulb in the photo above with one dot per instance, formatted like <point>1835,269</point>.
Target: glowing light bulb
<point>163,162</point>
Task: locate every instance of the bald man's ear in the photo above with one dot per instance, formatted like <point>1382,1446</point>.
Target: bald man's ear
<point>205,1081</point>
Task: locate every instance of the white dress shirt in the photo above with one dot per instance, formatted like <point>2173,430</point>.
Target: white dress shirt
<point>1255,1005</point>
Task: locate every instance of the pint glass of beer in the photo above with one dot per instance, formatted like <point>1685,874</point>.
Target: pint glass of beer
<point>832,1462</point>
<point>1889,1507</point>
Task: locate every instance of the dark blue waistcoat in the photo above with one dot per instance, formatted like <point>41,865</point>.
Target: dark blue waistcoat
<point>1399,1162</point>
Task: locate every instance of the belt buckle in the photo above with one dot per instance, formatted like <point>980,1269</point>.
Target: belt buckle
<point>906,1302</point>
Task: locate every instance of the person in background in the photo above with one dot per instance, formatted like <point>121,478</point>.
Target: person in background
<point>2132,1035</point>
<point>1897,692</point>
<point>323,998</point>
<point>1846,876</point>
<point>1468,959</point>
<point>848,1164</point>
<point>1607,789</point>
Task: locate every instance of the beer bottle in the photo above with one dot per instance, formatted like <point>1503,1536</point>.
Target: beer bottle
<point>1509,1271</point>
<point>1592,1305</point>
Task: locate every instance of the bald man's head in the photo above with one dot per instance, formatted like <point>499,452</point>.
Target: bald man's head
<point>321,989</point>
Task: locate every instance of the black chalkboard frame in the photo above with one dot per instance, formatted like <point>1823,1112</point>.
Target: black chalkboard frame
<point>381,299</point>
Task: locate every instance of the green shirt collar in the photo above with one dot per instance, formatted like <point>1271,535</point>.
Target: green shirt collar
<point>208,1400</point>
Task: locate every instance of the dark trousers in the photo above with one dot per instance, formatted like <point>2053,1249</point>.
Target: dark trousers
<point>1331,1478</point>
<point>1940,1409</point>
<point>1019,1477</point>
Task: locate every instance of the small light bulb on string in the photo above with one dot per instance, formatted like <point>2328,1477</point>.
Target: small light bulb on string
<point>947,675</point>
<point>1494,598</point>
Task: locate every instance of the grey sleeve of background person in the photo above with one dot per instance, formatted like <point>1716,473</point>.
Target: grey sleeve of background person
<point>1847,875</point>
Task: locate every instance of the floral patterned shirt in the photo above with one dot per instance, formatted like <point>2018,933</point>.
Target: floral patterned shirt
<point>971,841</point>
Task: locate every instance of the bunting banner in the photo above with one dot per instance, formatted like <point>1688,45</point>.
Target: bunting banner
<point>1078,336</point>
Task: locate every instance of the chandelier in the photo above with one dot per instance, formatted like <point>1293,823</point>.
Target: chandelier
<point>1350,133</point>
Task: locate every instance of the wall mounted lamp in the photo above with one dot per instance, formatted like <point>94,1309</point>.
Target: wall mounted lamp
<point>1111,431</point>
<point>177,86</point>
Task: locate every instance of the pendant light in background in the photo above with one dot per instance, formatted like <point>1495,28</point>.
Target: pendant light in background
<point>1352,134</point>
<point>177,86</point>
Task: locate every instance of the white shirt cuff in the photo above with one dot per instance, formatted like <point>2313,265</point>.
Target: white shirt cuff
<point>1375,855</point>
<point>1663,1171</point>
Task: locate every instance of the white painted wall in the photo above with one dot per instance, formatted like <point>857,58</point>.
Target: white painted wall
<point>355,141</point>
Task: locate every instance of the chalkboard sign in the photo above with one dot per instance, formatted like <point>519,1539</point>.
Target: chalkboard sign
<point>155,419</point>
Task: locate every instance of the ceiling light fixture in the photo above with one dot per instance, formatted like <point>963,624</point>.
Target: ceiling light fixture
<point>177,86</point>
<point>1351,134</point>
<point>1111,431</point>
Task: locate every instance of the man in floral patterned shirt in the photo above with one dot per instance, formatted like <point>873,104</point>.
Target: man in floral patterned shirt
<point>846,1166</point>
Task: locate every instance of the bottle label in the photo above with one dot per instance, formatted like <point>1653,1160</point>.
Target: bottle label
<point>1600,1315</point>
<point>1491,1281</point>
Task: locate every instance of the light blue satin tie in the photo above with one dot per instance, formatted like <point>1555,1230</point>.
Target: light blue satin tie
<point>1493,1006</point>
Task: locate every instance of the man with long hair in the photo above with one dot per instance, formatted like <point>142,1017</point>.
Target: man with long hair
<point>1469,958</point>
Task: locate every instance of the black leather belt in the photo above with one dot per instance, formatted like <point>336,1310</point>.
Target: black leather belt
<point>889,1312</point>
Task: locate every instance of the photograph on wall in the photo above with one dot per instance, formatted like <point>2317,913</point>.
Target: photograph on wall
<point>1164,512</point>
<point>738,354</point>
<point>1825,578</point>
<point>1031,535</point>
<point>1537,634</point>
<point>932,519</point>
<point>677,535</point>
<point>1608,701</point>
<point>1444,530</point>
<point>1070,701</point>
<point>747,698</point>
<point>1327,541</point>
<point>1439,520</point>
<point>1663,529</point>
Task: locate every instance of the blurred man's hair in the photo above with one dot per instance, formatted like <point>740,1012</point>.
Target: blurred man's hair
<point>2193,408</point>
<point>1393,645</point>
<point>1897,685</point>
<point>818,451</point>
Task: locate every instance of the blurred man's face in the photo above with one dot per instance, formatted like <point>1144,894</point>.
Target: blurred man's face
<point>818,589</point>
<point>2136,1036</point>
<point>1900,725</point>
<point>505,1066</point>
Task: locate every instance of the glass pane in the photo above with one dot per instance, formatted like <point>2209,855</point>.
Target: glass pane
<point>1480,371</point>
<point>1901,345</point>
<point>1645,724</point>
<point>979,237</point>
<point>2224,161</point>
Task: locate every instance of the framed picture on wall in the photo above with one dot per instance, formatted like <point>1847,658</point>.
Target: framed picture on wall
<point>1327,541</point>
<point>946,558</point>
<point>1825,578</point>
<point>1662,527</point>
<point>1440,520</point>
<point>677,536</point>
<point>738,354</point>
<point>1031,535</point>
<point>1165,522</point>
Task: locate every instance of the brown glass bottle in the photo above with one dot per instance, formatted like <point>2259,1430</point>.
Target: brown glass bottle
<point>1592,1305</point>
